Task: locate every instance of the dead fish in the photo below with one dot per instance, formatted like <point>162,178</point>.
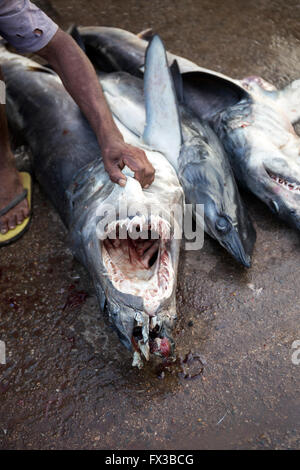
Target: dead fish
<point>134,277</point>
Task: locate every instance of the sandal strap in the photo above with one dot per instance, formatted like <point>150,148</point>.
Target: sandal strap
<point>14,202</point>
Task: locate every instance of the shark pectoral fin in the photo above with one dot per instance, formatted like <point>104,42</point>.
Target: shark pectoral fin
<point>207,94</point>
<point>163,129</point>
<point>289,99</point>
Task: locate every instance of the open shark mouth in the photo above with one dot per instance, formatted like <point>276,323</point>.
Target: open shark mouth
<point>136,255</point>
<point>289,185</point>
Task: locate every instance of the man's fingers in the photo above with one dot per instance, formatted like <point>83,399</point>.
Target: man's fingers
<point>142,168</point>
<point>145,177</point>
<point>119,155</point>
<point>149,174</point>
<point>116,175</point>
<point>140,176</point>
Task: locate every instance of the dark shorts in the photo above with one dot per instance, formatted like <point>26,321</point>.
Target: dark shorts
<point>25,26</point>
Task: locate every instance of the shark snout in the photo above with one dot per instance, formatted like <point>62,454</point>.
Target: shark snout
<point>232,242</point>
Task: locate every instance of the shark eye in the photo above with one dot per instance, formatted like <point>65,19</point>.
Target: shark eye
<point>222,225</point>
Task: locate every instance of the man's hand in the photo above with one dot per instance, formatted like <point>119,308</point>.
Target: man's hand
<point>117,154</point>
<point>80,80</point>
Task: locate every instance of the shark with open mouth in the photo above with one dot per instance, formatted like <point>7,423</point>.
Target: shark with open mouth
<point>131,255</point>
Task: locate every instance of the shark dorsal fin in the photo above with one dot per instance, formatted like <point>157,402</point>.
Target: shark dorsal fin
<point>163,129</point>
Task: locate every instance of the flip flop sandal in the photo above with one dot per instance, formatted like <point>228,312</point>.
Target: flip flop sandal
<point>14,234</point>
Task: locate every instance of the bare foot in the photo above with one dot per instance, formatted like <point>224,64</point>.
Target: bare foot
<point>10,187</point>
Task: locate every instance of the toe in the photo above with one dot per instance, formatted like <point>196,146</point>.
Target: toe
<point>26,210</point>
<point>20,217</point>
<point>12,221</point>
<point>3,226</point>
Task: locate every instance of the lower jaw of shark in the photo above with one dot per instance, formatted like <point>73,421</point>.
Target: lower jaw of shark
<point>137,258</point>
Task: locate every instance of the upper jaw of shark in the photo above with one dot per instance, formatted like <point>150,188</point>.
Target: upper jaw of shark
<point>288,182</point>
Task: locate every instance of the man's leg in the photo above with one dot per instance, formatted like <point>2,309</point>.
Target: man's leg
<point>10,185</point>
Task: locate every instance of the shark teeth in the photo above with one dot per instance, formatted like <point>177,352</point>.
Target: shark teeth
<point>288,185</point>
<point>155,223</point>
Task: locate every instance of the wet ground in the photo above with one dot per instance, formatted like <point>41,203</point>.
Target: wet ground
<point>68,383</point>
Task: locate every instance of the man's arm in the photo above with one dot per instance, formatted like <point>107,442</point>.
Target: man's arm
<point>80,80</point>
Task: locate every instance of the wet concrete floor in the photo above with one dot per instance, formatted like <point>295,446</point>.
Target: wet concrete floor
<point>68,383</point>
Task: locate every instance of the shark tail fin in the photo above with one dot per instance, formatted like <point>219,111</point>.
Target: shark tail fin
<point>163,127</point>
